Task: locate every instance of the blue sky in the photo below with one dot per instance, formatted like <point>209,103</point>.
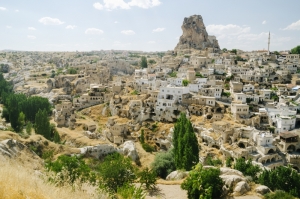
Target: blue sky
<point>148,25</point>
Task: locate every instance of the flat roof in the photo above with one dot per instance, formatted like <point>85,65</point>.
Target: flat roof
<point>286,135</point>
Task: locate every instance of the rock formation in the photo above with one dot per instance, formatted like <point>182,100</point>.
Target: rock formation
<point>195,36</point>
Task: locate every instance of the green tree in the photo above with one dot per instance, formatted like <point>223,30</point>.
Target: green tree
<point>163,163</point>
<point>42,124</point>
<point>143,63</point>
<point>224,49</point>
<point>296,50</point>
<point>233,51</point>
<point>72,71</point>
<point>199,75</point>
<point>173,74</point>
<point>247,168</point>
<point>186,148</point>
<point>115,172</point>
<point>142,138</point>
<point>147,178</point>
<point>29,128</point>
<point>21,120</point>
<point>203,183</point>
<point>69,169</point>
<point>152,61</point>
<point>13,107</point>
<point>5,114</point>
<point>281,178</point>
<point>56,137</point>
<point>185,82</point>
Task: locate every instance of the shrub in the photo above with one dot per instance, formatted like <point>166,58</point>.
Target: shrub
<point>281,178</point>
<point>129,191</point>
<point>278,195</point>
<point>229,161</point>
<point>147,178</point>
<point>148,148</point>
<point>213,162</point>
<point>115,172</point>
<point>203,183</point>
<point>69,169</point>
<point>247,168</point>
<point>163,164</point>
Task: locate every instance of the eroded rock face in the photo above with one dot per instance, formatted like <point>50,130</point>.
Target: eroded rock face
<point>195,35</point>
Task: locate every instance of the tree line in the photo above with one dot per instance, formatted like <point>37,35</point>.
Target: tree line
<point>21,110</point>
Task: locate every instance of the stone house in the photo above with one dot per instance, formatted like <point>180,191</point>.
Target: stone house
<point>169,96</point>
<point>239,110</point>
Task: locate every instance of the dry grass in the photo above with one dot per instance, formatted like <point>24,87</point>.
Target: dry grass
<point>19,182</point>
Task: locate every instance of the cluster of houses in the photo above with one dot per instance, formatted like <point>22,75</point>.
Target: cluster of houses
<point>259,92</point>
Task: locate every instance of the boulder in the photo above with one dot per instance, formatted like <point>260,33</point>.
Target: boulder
<point>231,180</point>
<point>128,149</point>
<point>229,171</point>
<point>177,175</point>
<point>241,188</point>
<point>262,189</point>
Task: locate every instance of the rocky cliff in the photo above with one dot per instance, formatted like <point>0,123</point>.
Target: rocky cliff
<point>195,35</point>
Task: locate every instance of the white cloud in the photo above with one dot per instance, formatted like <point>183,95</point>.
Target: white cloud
<point>98,6</point>
<point>144,3</point>
<point>50,21</point>
<point>31,28</point>
<point>264,22</point>
<point>2,8</point>
<point>111,5</point>
<point>116,22</point>
<point>158,30</point>
<point>16,10</point>
<point>229,29</point>
<point>8,27</point>
<point>70,27</point>
<point>293,26</point>
<point>121,4</point>
<point>93,31</point>
<point>253,37</point>
<point>31,37</point>
<point>128,32</point>
<point>151,42</point>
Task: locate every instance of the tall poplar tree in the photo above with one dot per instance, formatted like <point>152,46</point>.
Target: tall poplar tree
<point>42,124</point>
<point>186,148</point>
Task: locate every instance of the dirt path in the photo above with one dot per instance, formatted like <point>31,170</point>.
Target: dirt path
<point>168,192</point>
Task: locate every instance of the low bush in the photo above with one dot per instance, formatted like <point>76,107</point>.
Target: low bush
<point>163,164</point>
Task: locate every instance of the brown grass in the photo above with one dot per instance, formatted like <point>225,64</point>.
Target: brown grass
<point>19,182</point>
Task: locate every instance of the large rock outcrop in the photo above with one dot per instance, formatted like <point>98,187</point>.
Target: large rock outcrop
<point>195,35</point>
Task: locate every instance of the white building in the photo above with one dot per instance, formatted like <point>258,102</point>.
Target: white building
<point>170,95</point>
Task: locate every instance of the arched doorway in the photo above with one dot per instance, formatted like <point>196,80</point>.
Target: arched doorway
<point>271,151</point>
<point>291,148</point>
<point>241,145</point>
<point>219,110</point>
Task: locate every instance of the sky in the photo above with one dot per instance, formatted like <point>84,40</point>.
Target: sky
<point>147,25</point>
